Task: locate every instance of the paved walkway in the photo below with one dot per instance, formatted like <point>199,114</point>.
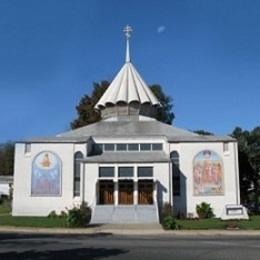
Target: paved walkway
<point>130,229</point>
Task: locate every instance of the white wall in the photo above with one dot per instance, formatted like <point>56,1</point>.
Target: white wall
<point>162,175</point>
<point>187,152</point>
<point>90,183</point>
<point>26,204</point>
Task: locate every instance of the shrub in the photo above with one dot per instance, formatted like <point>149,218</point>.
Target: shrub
<point>63,214</point>
<point>5,201</point>
<point>169,223</point>
<point>167,218</point>
<point>79,216</point>
<point>52,214</point>
<point>204,210</point>
<point>167,209</point>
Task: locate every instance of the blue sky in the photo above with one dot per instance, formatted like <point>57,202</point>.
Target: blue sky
<point>205,55</point>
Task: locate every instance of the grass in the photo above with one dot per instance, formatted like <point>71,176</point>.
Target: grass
<point>216,223</point>
<point>200,224</point>
<point>40,222</point>
<point>253,223</point>
<point>187,224</point>
<point>5,210</point>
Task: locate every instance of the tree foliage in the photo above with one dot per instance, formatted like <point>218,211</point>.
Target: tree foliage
<point>249,162</point>
<point>202,132</point>
<point>7,158</point>
<point>88,115</point>
<point>164,112</point>
<point>85,109</point>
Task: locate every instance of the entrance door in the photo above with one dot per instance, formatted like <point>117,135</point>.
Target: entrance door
<point>145,192</point>
<point>106,192</point>
<point>126,190</point>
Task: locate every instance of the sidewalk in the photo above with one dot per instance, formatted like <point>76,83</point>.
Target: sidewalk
<point>130,229</point>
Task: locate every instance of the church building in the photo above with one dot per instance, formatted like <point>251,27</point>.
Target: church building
<point>128,165</point>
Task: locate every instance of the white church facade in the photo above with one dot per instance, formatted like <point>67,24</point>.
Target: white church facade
<point>127,165</point>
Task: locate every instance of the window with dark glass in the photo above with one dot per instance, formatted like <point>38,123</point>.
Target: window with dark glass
<point>126,172</point>
<point>156,147</point>
<point>121,147</point>
<point>133,147</point>
<point>77,170</point>
<point>145,147</point>
<point>106,171</point>
<point>109,147</point>
<point>100,147</point>
<point>27,148</point>
<point>145,172</point>
<point>176,176</point>
<point>226,147</point>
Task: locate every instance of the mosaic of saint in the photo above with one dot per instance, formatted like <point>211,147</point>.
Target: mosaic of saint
<point>46,174</point>
<point>208,174</point>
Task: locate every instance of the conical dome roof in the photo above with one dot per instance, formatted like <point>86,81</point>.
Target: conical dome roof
<point>128,94</point>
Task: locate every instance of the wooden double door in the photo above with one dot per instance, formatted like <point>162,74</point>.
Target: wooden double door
<point>145,192</point>
<point>106,192</point>
<point>126,192</point>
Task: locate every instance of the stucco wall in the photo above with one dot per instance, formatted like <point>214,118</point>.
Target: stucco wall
<point>24,203</point>
<point>27,204</point>
<point>187,202</point>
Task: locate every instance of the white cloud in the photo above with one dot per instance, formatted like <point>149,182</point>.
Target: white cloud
<point>160,29</point>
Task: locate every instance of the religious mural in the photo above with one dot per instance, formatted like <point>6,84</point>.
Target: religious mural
<point>208,174</point>
<point>46,175</point>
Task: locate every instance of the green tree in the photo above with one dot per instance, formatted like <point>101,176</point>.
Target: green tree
<point>7,158</point>
<point>249,162</point>
<point>164,112</point>
<point>202,132</point>
<point>88,115</point>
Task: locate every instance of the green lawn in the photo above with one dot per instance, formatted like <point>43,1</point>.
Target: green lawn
<point>199,224</point>
<point>40,222</point>
<point>204,224</point>
<point>4,210</point>
<point>253,223</point>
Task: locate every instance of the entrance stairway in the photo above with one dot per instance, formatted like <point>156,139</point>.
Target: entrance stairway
<point>124,214</point>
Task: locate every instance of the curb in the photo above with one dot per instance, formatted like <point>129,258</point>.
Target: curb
<point>133,231</point>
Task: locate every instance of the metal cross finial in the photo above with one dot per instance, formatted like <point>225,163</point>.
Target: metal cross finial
<point>127,31</point>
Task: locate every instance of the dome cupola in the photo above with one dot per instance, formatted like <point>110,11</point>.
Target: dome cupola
<point>128,94</point>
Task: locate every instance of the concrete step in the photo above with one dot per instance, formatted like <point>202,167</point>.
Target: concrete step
<point>125,214</point>
<point>102,214</point>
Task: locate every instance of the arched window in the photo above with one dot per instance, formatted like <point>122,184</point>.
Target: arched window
<point>78,156</point>
<point>176,176</point>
